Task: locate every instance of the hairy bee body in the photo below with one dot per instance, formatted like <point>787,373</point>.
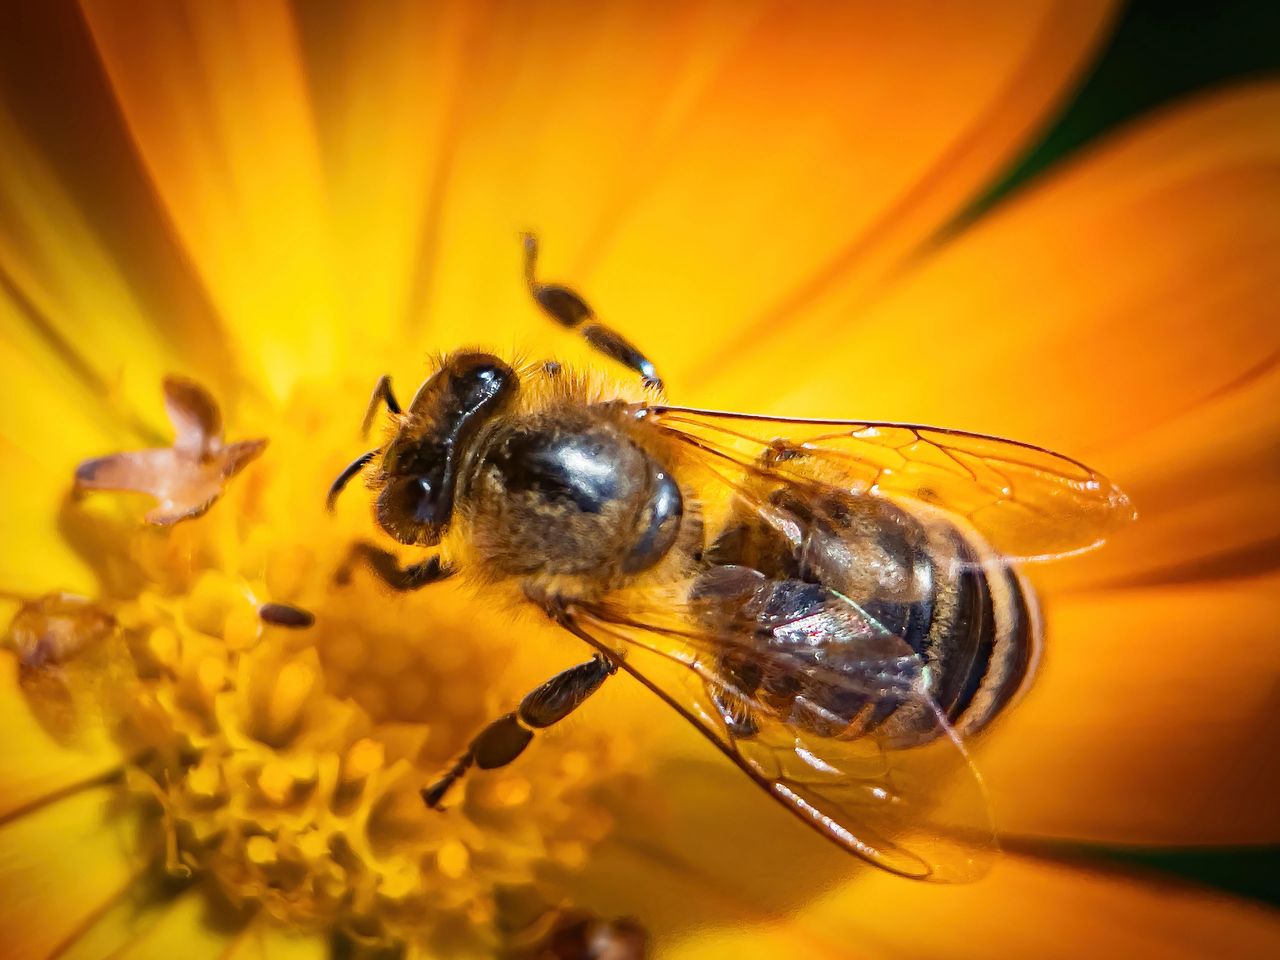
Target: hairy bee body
<point>560,490</point>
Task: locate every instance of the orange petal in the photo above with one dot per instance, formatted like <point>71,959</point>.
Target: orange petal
<point>216,100</point>
<point>586,124</point>
<point>47,897</point>
<point>185,927</point>
<point>1127,289</point>
<point>1150,722</point>
<point>263,941</point>
<point>765,887</point>
<point>87,244</point>
<point>1205,484</point>
<point>696,167</point>
<point>1026,908</point>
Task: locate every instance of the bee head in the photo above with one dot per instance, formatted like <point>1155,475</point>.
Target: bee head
<point>418,471</point>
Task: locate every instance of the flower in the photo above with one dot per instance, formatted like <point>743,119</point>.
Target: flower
<point>283,202</point>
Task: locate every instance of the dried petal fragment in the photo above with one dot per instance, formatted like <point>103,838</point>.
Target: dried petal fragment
<point>186,478</point>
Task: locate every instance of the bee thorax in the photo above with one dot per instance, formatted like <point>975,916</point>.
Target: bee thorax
<point>571,499</point>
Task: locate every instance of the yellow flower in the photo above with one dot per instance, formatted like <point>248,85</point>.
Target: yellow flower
<point>283,202</point>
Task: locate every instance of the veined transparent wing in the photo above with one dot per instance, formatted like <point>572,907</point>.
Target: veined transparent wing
<point>1028,503</point>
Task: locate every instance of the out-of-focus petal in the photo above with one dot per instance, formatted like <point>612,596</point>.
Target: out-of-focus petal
<point>184,927</point>
<point>84,249</point>
<point>1205,484</point>
<point>33,764</point>
<point>743,152</point>
<point>761,879</point>
<point>47,895</point>
<point>263,941</point>
<point>1124,291</point>
<point>181,927</point>
<point>1027,908</point>
<point>1151,721</point>
<point>775,138</point>
<point>216,99</point>
<point>48,422</point>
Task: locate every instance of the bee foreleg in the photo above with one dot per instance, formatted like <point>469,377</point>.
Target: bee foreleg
<point>382,393</point>
<point>387,568</point>
<point>568,309</point>
<point>505,738</point>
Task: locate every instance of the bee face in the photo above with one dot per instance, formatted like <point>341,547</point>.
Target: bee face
<point>418,474</point>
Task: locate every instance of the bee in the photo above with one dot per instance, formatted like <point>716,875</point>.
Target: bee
<point>834,605</point>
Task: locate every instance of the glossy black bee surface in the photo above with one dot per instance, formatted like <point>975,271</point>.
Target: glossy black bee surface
<point>833,604</point>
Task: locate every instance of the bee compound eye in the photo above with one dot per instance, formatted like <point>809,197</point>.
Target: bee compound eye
<point>415,509</point>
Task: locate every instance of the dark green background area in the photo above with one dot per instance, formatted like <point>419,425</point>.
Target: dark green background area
<point>1162,50</point>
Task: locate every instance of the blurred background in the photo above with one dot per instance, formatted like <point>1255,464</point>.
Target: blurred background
<point>1160,51</point>
<point>283,263</point>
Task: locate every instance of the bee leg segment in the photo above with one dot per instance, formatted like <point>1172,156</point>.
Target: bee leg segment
<point>387,568</point>
<point>505,738</point>
<point>569,310</point>
<point>382,393</point>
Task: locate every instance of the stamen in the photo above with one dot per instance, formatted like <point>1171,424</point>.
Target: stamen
<point>281,746</point>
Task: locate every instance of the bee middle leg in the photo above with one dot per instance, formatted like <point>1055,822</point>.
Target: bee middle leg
<point>387,568</point>
<point>568,309</point>
<point>505,738</point>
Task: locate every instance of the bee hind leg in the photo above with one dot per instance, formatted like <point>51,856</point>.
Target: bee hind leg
<point>505,738</point>
<point>386,567</point>
<point>568,309</point>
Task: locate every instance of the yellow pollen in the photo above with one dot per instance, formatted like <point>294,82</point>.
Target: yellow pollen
<point>260,850</point>
<point>243,627</point>
<point>275,782</point>
<point>281,768</point>
<point>211,674</point>
<point>364,757</point>
<point>289,692</point>
<point>205,781</point>
<point>511,792</point>
<point>163,645</point>
<point>452,859</point>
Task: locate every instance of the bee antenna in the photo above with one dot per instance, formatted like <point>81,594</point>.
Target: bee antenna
<point>354,467</point>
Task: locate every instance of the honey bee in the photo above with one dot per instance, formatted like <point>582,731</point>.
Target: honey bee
<point>832,604</point>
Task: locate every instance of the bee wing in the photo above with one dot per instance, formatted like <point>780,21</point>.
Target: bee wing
<point>920,811</point>
<point>1028,503</point>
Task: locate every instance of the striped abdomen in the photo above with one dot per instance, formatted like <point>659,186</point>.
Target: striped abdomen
<point>969,617</point>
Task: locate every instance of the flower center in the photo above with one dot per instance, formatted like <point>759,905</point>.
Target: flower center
<point>282,751</point>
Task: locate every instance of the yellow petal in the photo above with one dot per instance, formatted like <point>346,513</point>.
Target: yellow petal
<point>215,98</point>
<point>598,127</point>
<point>1150,722</point>
<point>33,764</point>
<point>694,167</point>
<point>182,927</point>
<point>49,894</point>
<point>263,941</point>
<point>62,289</point>
<point>52,419</point>
<point>1128,288</point>
<point>761,885</point>
<point>88,242</point>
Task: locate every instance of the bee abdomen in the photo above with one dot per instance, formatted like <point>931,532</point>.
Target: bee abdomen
<point>978,639</point>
